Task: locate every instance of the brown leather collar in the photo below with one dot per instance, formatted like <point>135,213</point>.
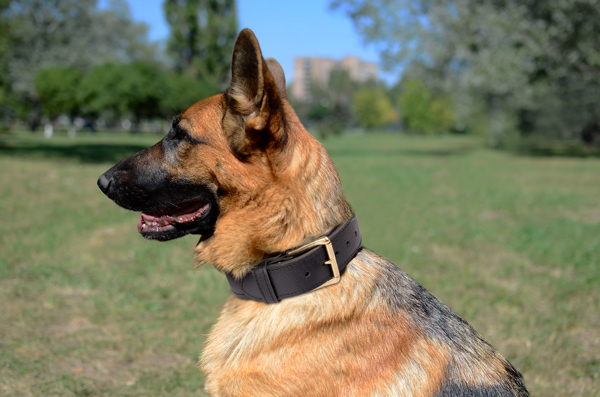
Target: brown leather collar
<point>317,264</point>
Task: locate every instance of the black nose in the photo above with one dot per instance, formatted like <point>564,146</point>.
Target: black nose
<point>104,183</point>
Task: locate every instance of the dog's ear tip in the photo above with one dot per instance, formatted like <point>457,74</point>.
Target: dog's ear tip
<point>272,62</point>
<point>246,32</point>
<point>245,37</point>
<point>246,63</point>
<point>246,48</point>
<point>252,75</point>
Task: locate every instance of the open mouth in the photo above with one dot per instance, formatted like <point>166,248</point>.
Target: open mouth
<point>174,222</point>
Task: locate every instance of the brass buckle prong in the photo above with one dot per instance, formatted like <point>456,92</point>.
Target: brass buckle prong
<point>332,262</point>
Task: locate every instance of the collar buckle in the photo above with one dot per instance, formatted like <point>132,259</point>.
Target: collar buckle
<point>315,265</point>
<point>332,261</point>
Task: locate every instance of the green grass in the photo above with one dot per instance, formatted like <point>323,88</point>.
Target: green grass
<point>512,243</point>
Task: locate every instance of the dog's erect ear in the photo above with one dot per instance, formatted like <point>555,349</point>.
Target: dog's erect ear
<point>254,97</point>
<point>277,72</point>
<point>245,93</point>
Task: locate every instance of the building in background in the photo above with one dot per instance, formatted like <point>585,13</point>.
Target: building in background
<point>316,70</point>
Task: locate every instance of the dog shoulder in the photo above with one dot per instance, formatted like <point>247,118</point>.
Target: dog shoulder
<point>500,389</point>
<point>457,360</point>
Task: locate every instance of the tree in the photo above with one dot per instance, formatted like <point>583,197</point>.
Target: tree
<point>202,35</point>
<point>114,90</point>
<point>422,111</point>
<point>530,66</point>
<point>373,108</point>
<point>57,89</point>
<point>68,33</point>
<point>330,106</point>
<point>5,43</point>
<point>99,91</point>
<point>183,91</point>
<point>141,89</point>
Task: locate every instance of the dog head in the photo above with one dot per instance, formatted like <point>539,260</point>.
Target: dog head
<point>237,168</point>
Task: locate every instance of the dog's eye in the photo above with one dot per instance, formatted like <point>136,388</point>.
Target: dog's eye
<point>179,135</point>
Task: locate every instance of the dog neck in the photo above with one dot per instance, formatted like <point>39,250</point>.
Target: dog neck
<point>298,199</point>
<point>315,265</point>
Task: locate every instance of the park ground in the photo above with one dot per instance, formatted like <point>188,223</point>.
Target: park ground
<point>510,241</point>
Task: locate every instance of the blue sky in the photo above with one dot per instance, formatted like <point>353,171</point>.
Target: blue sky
<point>285,29</point>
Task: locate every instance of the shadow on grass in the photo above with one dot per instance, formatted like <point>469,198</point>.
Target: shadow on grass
<point>558,151</point>
<point>399,152</point>
<point>551,147</point>
<point>82,152</point>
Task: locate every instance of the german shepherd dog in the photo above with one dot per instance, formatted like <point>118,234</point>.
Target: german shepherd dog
<point>240,170</point>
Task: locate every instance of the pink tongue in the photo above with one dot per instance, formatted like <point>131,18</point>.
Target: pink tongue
<point>163,220</point>
<point>187,214</point>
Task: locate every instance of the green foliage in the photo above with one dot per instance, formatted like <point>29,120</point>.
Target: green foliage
<point>202,34</point>
<point>373,108</point>
<point>184,91</point>
<point>142,89</point>
<point>71,57</point>
<point>341,87</point>
<point>57,88</point>
<point>113,90</point>
<point>5,43</point>
<point>68,34</point>
<point>99,91</point>
<point>345,103</point>
<point>422,112</point>
<point>330,107</point>
<point>528,66</point>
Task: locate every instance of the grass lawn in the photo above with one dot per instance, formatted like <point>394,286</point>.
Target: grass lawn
<point>512,243</point>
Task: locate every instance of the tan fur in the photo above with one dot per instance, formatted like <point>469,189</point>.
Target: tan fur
<point>273,191</point>
<point>335,341</point>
